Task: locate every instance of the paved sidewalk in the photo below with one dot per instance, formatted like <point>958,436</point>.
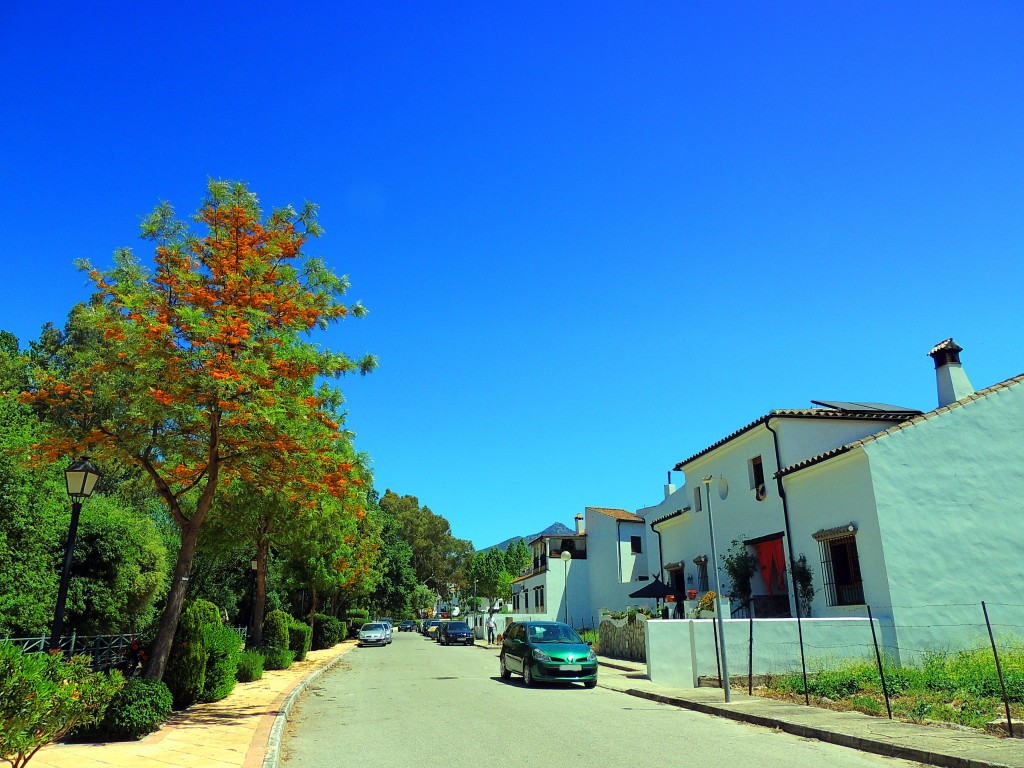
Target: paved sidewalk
<point>236,732</point>
<point>933,745</point>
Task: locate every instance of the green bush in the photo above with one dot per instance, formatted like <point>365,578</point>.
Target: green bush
<point>359,613</point>
<point>300,636</point>
<point>275,630</point>
<point>223,646</point>
<point>141,707</point>
<point>43,697</point>
<point>185,674</point>
<point>327,631</point>
<point>278,658</point>
<point>250,666</point>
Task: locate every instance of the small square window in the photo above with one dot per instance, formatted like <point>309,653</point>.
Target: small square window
<point>756,472</point>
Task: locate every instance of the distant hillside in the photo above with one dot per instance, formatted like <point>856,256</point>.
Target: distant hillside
<point>555,529</point>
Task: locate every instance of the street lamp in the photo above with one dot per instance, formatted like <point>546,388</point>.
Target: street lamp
<point>718,594</point>
<point>80,479</point>
<point>566,556</point>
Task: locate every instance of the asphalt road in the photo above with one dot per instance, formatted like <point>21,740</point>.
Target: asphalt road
<point>417,703</point>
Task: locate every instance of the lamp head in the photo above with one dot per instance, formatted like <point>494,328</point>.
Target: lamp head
<point>81,479</point>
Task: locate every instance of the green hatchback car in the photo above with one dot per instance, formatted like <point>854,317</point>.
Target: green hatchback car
<point>547,651</point>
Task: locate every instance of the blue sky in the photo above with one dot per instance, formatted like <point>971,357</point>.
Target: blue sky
<point>593,239</point>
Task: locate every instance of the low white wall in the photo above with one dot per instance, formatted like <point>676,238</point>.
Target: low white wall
<point>679,651</point>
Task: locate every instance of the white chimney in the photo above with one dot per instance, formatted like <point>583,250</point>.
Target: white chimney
<point>670,487</point>
<point>579,525</point>
<point>950,378</point>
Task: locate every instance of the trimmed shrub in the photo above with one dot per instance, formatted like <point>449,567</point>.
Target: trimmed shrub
<point>355,619</point>
<point>278,658</point>
<point>141,707</point>
<point>223,646</point>
<point>327,631</point>
<point>275,630</point>
<point>43,697</point>
<point>186,668</point>
<point>250,666</point>
<point>209,614</point>
<point>300,636</point>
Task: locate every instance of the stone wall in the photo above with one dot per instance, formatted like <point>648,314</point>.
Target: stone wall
<point>623,638</point>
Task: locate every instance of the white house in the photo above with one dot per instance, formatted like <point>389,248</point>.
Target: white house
<point>606,560</point>
<point>923,520</point>
<point>916,514</point>
<point>746,503</point>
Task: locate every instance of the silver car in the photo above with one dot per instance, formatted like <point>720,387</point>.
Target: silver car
<point>374,634</point>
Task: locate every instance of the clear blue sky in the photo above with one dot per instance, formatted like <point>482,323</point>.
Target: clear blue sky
<point>593,238</point>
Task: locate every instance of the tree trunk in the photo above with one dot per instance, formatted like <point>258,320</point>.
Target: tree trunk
<point>312,604</point>
<point>161,649</point>
<point>260,604</point>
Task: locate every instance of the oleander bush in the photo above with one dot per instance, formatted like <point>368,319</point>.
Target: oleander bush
<point>43,698</point>
<point>278,658</point>
<point>139,708</point>
<point>250,666</point>
<point>300,637</point>
<point>223,647</point>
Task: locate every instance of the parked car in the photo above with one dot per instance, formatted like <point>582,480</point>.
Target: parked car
<point>440,628</point>
<point>407,626</point>
<point>431,630</point>
<point>547,651</point>
<point>374,633</point>
<point>456,633</point>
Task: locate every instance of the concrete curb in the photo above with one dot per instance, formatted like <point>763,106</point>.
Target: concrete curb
<point>272,757</point>
<point>874,746</point>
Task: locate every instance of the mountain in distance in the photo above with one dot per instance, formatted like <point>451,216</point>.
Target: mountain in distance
<point>555,529</point>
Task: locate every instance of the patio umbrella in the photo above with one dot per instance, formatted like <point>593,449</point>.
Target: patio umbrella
<point>657,589</point>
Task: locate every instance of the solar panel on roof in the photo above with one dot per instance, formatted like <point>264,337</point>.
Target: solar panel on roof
<point>858,407</point>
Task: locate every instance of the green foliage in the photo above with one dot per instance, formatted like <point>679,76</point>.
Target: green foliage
<point>740,565</point>
<point>278,658</point>
<point>43,697</point>
<point>437,556</point>
<point>275,630</point>
<point>139,708</point>
<point>327,631</point>
<point>185,674</point>
<point>957,687</point>
<point>119,566</point>
<point>804,578</point>
<point>300,637</point>
<point>250,666</point>
<point>223,647</point>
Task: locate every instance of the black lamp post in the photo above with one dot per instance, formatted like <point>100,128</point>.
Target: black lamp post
<point>80,478</point>
<point>254,565</point>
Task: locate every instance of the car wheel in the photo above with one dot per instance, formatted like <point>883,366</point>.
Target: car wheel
<point>590,684</point>
<point>505,674</point>
<point>527,675</point>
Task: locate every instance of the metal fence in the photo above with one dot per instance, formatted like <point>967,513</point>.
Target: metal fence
<point>105,651</point>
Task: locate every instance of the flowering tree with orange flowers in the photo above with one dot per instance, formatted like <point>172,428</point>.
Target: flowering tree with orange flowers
<point>199,369</point>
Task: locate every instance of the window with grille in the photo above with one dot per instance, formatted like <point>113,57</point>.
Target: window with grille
<point>702,576</point>
<point>840,567</point>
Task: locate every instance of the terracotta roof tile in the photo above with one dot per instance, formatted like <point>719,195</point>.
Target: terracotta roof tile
<point>616,514</point>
